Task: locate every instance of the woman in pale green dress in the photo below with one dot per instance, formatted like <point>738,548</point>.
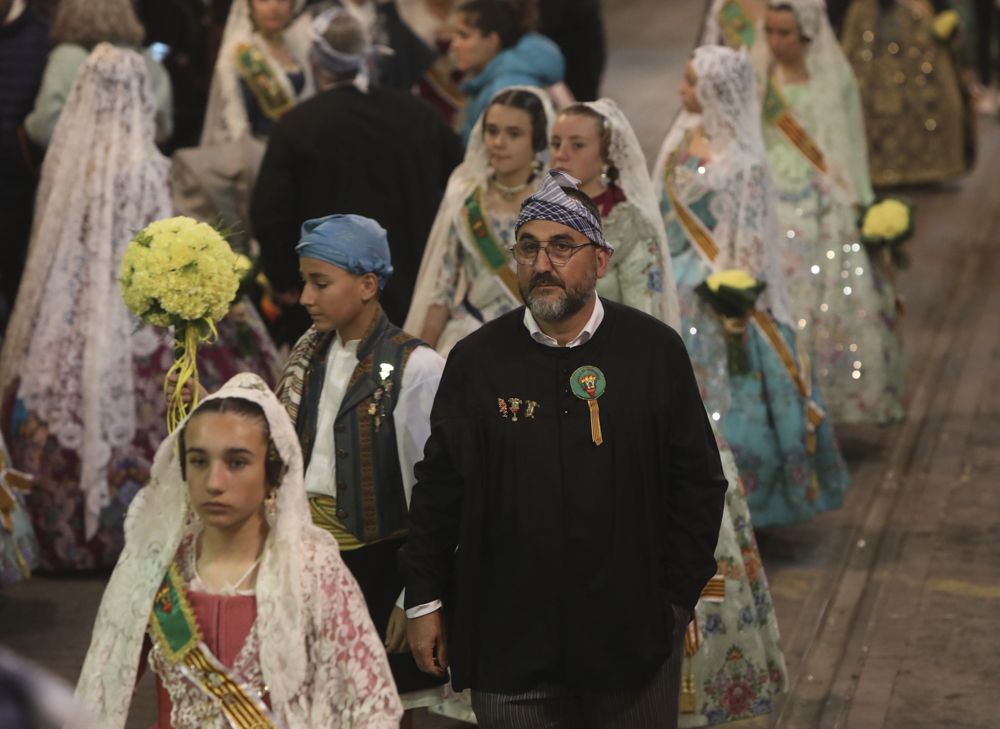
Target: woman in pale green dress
<point>814,134</point>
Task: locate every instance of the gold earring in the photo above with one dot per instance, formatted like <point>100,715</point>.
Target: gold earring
<point>271,505</point>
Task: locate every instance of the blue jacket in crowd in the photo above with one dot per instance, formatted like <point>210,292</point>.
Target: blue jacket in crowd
<point>533,61</point>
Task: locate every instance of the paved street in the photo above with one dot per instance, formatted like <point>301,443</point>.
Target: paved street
<point>890,607</point>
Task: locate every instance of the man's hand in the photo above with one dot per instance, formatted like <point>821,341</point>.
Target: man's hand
<point>428,642</point>
<point>395,632</point>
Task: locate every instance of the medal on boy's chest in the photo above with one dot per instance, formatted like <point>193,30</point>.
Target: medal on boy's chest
<point>382,393</point>
<point>588,383</point>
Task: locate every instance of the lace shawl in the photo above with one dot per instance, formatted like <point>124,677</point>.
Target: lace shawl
<point>70,336</point>
<point>320,655</point>
<point>744,202</point>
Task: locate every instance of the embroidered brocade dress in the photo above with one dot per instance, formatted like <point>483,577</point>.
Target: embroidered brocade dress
<point>917,115</point>
<point>635,274</point>
<point>464,283</point>
<point>845,306</point>
<point>761,414</point>
<point>228,626</point>
<point>739,668</point>
<point>56,501</point>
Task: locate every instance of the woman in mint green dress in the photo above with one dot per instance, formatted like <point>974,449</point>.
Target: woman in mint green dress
<point>842,298</point>
<point>718,208</point>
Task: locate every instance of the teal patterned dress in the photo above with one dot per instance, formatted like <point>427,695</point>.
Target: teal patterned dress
<point>761,414</point>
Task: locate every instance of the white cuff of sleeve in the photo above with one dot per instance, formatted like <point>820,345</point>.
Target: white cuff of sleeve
<point>427,608</point>
<point>401,600</point>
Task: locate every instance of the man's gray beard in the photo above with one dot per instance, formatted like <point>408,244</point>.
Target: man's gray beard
<point>547,309</point>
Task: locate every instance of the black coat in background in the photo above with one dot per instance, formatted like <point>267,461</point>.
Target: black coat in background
<point>24,50</point>
<point>577,27</point>
<point>569,555</point>
<point>385,155</point>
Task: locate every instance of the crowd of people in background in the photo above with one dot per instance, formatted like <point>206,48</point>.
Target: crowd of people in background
<point>443,220</point>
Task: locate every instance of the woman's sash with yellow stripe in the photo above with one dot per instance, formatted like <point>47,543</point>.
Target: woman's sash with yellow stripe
<point>177,634</point>
<point>778,112</point>
<point>486,243</point>
<point>797,367</point>
<point>264,84</point>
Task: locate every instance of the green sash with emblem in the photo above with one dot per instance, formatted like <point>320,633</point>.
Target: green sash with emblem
<point>778,113</point>
<point>267,89</point>
<point>493,255</point>
<point>796,364</point>
<point>179,639</point>
<point>737,27</point>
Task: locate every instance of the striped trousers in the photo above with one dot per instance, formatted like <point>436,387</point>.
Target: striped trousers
<point>652,705</point>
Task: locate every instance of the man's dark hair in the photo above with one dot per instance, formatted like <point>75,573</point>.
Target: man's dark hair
<point>274,467</point>
<point>509,19</point>
<point>529,102</point>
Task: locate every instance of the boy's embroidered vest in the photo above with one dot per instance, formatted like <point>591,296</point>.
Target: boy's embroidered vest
<point>371,503</point>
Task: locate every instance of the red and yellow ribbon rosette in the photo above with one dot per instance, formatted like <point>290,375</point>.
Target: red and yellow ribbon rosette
<point>180,273</point>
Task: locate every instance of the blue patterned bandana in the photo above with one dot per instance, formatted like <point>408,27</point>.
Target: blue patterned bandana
<point>354,243</point>
<point>550,202</point>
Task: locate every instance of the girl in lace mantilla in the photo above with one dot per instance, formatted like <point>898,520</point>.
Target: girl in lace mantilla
<point>238,599</point>
<point>720,213</point>
<point>467,274</point>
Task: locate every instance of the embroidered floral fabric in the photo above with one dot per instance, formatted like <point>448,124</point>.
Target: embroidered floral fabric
<point>739,669</point>
<point>636,274</point>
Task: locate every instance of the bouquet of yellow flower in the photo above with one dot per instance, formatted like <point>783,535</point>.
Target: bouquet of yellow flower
<point>181,273</point>
<point>886,225</point>
<point>732,294</point>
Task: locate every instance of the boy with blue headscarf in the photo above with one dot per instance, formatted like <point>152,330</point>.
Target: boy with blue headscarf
<point>359,391</point>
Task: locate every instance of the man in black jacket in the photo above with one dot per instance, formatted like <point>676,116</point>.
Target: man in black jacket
<point>380,153</point>
<point>567,509</point>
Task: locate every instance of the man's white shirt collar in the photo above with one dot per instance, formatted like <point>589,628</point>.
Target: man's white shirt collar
<point>596,317</point>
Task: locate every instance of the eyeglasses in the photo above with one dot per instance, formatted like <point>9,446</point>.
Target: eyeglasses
<point>559,251</point>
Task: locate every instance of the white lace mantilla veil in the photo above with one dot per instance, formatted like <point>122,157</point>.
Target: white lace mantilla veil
<point>70,338</point>
<point>711,32</point>
<point>320,654</point>
<point>226,115</point>
<point>625,153</point>
<point>835,99</point>
<point>473,172</point>
<point>744,201</point>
